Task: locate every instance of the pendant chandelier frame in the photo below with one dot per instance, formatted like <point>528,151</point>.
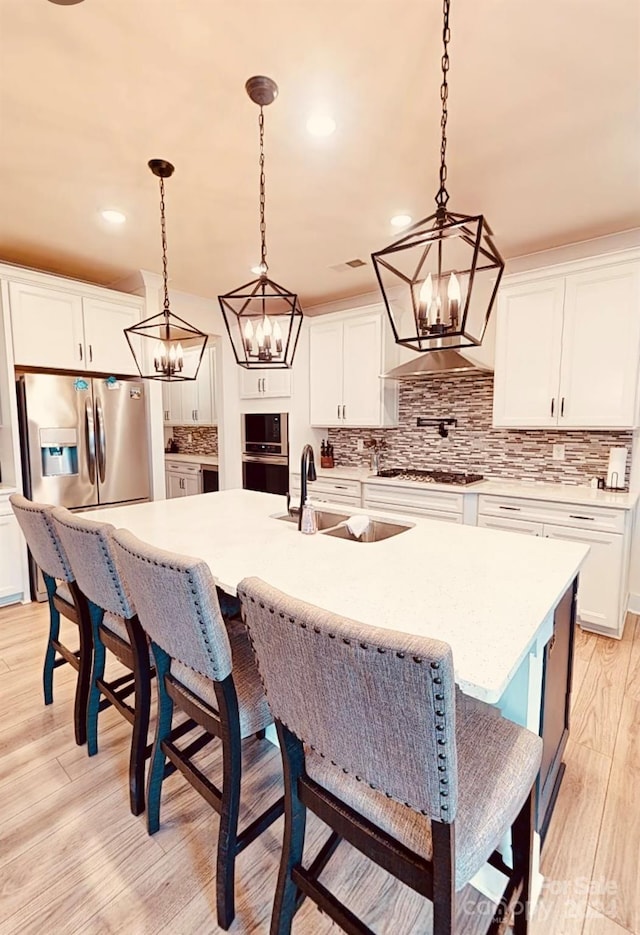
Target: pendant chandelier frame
<point>263,319</point>
<point>440,279</point>
<point>170,334</point>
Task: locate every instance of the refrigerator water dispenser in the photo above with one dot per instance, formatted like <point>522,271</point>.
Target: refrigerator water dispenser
<point>59,452</point>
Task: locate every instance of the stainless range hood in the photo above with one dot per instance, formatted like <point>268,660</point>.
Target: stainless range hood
<point>433,364</point>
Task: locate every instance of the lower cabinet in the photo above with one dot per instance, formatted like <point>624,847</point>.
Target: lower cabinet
<point>183,480</point>
<point>415,501</point>
<point>10,552</point>
<point>327,490</point>
<point>603,582</point>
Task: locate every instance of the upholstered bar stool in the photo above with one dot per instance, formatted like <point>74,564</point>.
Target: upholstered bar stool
<point>64,598</point>
<point>115,627</point>
<point>206,670</point>
<point>378,743</point>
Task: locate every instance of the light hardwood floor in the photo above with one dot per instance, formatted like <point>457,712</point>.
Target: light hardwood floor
<point>74,860</point>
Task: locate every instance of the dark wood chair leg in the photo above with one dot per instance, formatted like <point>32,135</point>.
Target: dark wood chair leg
<point>54,634</point>
<point>93,706</point>
<point>522,844</point>
<point>163,729</point>
<point>142,682</point>
<point>230,805</point>
<point>444,894</point>
<point>84,664</point>
<point>295,817</point>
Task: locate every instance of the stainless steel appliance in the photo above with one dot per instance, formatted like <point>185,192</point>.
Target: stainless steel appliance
<point>265,452</point>
<point>432,477</point>
<point>83,440</point>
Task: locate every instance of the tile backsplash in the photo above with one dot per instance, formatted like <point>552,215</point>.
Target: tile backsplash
<point>474,445</point>
<point>204,439</point>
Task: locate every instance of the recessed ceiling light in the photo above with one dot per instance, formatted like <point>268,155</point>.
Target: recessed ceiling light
<point>401,220</point>
<point>65,2</point>
<point>112,216</point>
<point>321,125</point>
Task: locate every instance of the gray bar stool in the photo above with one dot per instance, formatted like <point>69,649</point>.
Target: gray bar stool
<point>115,627</point>
<point>378,743</point>
<point>206,670</point>
<point>64,598</point>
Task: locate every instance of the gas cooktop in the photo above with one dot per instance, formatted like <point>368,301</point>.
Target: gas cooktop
<point>432,477</point>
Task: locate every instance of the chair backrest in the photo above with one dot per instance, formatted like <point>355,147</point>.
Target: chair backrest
<point>177,604</point>
<point>35,521</point>
<point>90,551</point>
<point>377,703</point>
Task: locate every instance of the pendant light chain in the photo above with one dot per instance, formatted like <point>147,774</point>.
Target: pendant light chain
<point>443,195</point>
<point>263,223</point>
<point>163,226</point>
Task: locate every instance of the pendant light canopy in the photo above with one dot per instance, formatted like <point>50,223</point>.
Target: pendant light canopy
<point>172,348</point>
<point>263,318</point>
<point>440,279</point>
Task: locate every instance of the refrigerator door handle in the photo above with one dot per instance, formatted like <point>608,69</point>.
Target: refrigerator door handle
<point>102,442</point>
<point>91,440</point>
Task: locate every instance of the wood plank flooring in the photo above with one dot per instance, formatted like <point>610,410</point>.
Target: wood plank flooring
<point>74,860</point>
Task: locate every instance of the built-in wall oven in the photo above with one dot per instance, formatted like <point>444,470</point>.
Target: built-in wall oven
<point>265,451</point>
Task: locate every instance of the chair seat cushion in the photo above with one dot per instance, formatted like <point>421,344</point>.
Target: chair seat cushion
<point>62,591</point>
<point>252,703</point>
<point>498,762</point>
<point>115,624</point>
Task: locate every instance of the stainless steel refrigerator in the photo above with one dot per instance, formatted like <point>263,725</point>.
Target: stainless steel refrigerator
<point>84,440</point>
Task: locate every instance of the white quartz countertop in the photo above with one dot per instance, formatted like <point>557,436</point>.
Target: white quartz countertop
<point>562,493</point>
<point>486,593</point>
<point>206,460</point>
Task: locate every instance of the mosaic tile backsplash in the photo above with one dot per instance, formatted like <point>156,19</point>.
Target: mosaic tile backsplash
<point>204,439</point>
<point>474,445</point>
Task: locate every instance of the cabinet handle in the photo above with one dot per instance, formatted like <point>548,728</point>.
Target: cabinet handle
<point>344,412</point>
<point>90,354</point>
<point>577,516</point>
<point>80,350</point>
<point>340,487</point>
<point>515,509</point>
<point>553,404</point>
<point>264,384</point>
<point>196,418</point>
<point>338,410</point>
<point>562,407</point>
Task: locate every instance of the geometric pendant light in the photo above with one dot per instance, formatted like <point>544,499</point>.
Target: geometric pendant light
<point>440,279</point>
<point>171,349</point>
<point>263,319</point>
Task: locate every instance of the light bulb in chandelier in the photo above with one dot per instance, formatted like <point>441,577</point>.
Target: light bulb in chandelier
<point>168,358</point>
<point>430,304</point>
<point>277,335</point>
<point>248,337</point>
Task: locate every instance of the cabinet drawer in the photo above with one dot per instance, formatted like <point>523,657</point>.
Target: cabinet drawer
<point>545,511</point>
<point>325,485</point>
<point>413,510</point>
<point>182,468</point>
<point>344,499</point>
<point>412,498</point>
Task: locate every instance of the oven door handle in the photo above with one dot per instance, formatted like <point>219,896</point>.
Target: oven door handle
<point>265,459</point>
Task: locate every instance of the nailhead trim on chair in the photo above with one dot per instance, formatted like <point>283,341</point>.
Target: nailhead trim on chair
<point>31,508</point>
<point>444,808</point>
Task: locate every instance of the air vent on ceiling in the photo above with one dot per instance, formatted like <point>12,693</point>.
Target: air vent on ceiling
<point>349,264</point>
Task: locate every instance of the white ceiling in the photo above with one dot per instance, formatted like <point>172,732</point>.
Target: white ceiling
<point>544,130</point>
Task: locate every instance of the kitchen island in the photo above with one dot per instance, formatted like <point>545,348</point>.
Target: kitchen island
<point>497,598</point>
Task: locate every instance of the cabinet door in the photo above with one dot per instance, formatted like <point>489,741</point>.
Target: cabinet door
<point>362,366</point>
<point>192,484</point>
<point>528,351</point>
<point>172,403</point>
<point>250,383</point>
<point>47,327</point>
<point>276,383</point>
<point>600,580</point>
<point>10,551</point>
<point>511,525</point>
<point>205,413</point>
<point>107,349</point>
<point>174,485</point>
<point>601,348</point>
<point>325,374</point>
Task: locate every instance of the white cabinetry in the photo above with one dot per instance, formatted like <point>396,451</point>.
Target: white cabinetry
<point>262,384</point>
<point>328,490</point>
<point>568,347</point>
<point>603,582</point>
<point>192,402</point>
<point>66,330</point>
<point>347,354</point>
<point>415,501</point>
<point>10,556</point>
<point>183,480</point>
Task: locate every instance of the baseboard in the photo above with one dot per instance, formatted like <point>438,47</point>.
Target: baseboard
<point>634,604</point>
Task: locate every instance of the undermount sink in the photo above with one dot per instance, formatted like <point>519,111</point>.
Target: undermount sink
<point>325,519</point>
<point>377,530</point>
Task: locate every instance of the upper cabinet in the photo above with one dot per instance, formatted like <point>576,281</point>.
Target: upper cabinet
<point>347,354</point>
<point>67,330</point>
<point>262,384</point>
<point>193,402</point>
<point>568,348</point>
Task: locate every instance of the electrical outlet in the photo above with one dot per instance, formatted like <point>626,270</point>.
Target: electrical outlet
<point>360,444</point>
<point>558,453</point>
<point>189,438</point>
